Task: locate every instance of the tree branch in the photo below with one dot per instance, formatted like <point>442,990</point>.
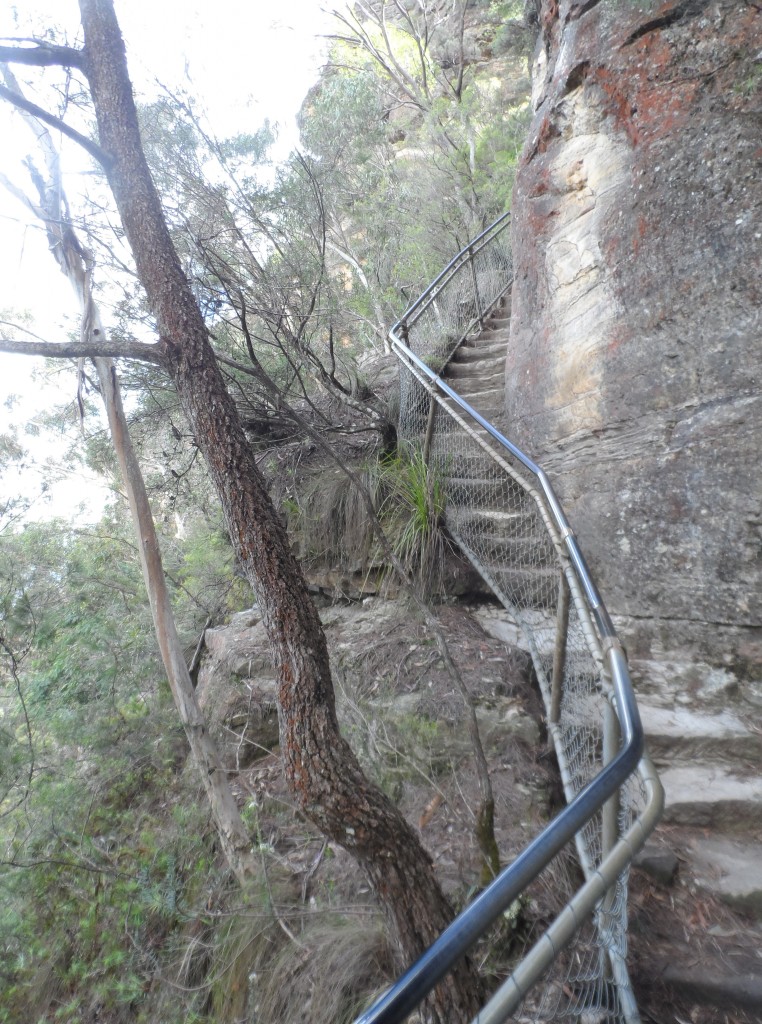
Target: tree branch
<point>43,55</point>
<point>91,147</point>
<point>86,350</point>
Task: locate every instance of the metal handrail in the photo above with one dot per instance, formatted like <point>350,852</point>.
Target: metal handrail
<point>410,990</point>
<point>561,932</point>
<point>465,255</point>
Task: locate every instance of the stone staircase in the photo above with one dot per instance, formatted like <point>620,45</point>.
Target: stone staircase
<point>477,370</point>
<point>497,521</point>
<point>709,756</point>
<point>707,853</point>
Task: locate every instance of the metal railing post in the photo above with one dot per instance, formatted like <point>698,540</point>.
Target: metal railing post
<point>429,430</point>
<point>559,651</point>
<point>477,300</point>
<point>612,739</point>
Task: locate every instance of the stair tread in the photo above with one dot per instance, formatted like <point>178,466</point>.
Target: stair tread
<point>491,413</point>
<point>686,722</point>
<point>490,381</point>
<point>709,782</point>
<point>711,795</point>
<point>723,988</point>
<point>729,867</point>
<point>682,734</point>
<point>474,366</point>
<point>512,540</point>
<point>483,391</point>
<point>492,341</point>
<point>476,386</point>
<point>475,350</point>
<point>498,515</point>
<point>492,362</point>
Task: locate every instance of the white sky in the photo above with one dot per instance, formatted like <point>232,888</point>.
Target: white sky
<point>247,62</point>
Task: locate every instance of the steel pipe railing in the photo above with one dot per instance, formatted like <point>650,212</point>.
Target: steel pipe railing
<point>606,855</point>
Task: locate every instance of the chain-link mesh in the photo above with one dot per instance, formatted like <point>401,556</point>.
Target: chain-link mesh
<point>455,305</point>
<point>501,521</point>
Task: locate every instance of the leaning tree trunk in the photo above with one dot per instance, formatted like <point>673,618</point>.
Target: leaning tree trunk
<point>322,771</point>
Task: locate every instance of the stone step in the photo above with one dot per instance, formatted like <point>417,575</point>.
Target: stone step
<point>491,334</point>
<point>706,957</point>
<point>463,492</point>
<point>712,796</point>
<point>488,403</point>
<point>474,353</point>
<point>726,989</point>
<point>681,734</point>
<point>490,387</point>
<point>473,388</point>
<point>495,343</point>
<point>685,681</point>
<point>497,524</point>
<point>493,414</point>
<point>507,554</point>
<point>473,465</point>
<point>473,384</point>
<point>527,588</point>
<point>469,386</point>
<point>730,868</point>
<point>482,367</point>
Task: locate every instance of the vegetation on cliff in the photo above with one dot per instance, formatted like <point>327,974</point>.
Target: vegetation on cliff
<point>117,895</point>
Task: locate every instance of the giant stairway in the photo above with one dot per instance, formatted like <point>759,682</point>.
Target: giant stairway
<point>503,513</point>
<point>707,853</point>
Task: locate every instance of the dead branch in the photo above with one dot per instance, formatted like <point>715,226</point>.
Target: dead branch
<point>85,350</point>
<point>41,114</point>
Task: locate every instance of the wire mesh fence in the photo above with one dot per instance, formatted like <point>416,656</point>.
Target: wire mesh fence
<point>456,304</point>
<point>503,522</point>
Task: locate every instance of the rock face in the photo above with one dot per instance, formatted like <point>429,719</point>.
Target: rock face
<point>633,376</point>
<point>237,691</point>
<point>633,370</point>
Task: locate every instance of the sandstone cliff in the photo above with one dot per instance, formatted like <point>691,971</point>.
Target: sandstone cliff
<point>633,371</point>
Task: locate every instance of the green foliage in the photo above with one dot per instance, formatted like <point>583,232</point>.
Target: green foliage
<point>111,883</point>
<point>104,851</point>
<point>751,80</point>
<point>98,906</point>
<point>411,510</point>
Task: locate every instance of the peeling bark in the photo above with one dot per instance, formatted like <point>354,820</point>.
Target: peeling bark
<point>76,265</point>
<point>234,839</point>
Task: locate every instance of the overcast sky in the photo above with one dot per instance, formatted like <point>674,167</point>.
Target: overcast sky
<point>247,62</point>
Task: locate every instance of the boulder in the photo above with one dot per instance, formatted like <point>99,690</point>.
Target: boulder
<point>237,691</point>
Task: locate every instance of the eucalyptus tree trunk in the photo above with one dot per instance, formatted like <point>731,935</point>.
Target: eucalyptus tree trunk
<point>324,775</point>
<point>234,838</point>
<point>75,263</point>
